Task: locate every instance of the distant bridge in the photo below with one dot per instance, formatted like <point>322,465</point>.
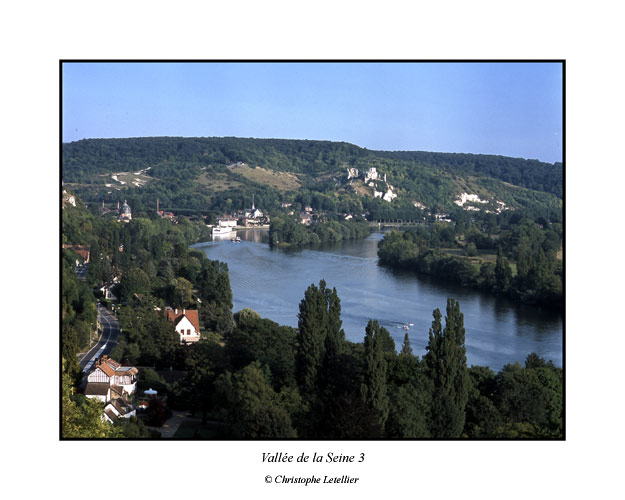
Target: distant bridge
<point>395,222</point>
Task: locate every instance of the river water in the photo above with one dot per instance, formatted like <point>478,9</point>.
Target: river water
<point>272,282</point>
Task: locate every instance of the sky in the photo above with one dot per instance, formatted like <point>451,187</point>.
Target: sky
<point>510,109</point>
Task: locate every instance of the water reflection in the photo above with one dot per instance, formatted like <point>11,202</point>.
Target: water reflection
<point>273,282</point>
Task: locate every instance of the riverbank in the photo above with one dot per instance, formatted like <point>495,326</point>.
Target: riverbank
<point>535,283</point>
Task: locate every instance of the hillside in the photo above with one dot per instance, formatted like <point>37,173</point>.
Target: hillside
<point>219,174</point>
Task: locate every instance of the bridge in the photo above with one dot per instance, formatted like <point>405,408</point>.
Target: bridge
<point>396,223</point>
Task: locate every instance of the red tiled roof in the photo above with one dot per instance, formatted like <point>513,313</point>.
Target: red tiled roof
<point>191,314</point>
<point>107,369</point>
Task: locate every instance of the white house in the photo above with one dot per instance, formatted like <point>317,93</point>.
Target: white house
<point>186,322</point>
<point>109,380</point>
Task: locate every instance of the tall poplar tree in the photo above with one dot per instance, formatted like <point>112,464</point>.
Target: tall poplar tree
<point>446,362</point>
<point>406,349</point>
<point>335,336</point>
<point>503,273</point>
<point>374,390</point>
<point>311,336</point>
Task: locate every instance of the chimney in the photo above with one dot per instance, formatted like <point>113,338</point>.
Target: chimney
<point>183,311</point>
<point>176,311</point>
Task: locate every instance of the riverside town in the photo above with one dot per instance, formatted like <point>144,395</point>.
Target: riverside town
<point>388,279</point>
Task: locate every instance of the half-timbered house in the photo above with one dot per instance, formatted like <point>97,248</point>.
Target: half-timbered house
<point>110,380</point>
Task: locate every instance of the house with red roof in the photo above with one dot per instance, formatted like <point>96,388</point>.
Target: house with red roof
<point>110,380</point>
<point>186,322</point>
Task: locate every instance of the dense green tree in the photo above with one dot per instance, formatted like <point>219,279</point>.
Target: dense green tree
<point>531,396</point>
<point>133,281</point>
<point>503,273</point>
<point>335,336</point>
<point>374,389</point>
<point>182,293</point>
<point>406,349</point>
<point>82,417</point>
<point>254,411</point>
<point>258,339</point>
<point>408,413</point>
<point>447,364</point>
<point>311,336</point>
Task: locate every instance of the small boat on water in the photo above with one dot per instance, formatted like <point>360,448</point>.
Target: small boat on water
<point>406,327</point>
<point>236,240</point>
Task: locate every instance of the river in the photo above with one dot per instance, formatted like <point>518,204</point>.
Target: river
<point>272,282</point>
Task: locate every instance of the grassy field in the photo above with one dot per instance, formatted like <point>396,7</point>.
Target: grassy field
<point>481,257</point>
<point>359,187</point>
<point>282,181</point>
<point>216,182</point>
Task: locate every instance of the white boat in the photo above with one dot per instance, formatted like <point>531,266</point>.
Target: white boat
<point>221,230</point>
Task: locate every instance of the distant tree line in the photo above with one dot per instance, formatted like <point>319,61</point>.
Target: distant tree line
<point>538,273</point>
<point>288,231</point>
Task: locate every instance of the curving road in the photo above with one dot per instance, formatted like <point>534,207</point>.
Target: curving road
<point>107,341</point>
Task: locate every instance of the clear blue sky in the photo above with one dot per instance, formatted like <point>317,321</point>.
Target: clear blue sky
<point>512,109</point>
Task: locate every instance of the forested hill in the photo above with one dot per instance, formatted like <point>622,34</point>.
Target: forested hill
<point>532,174</point>
<point>222,174</point>
<point>96,156</point>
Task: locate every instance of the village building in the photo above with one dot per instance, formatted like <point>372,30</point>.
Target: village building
<point>162,214</point>
<point>305,218</point>
<point>109,380</point>
<point>118,408</point>
<point>81,250</point>
<point>186,322</point>
<point>107,289</point>
<point>125,213</point>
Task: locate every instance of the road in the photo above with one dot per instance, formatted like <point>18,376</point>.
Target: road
<point>107,341</point>
<point>81,272</point>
